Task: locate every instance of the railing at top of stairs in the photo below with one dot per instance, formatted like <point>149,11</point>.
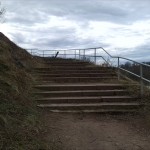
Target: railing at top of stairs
<point>91,54</point>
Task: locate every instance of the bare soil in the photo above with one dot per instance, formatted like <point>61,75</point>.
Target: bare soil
<point>96,132</point>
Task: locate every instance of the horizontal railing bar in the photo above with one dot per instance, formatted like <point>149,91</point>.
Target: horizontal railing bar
<point>135,75</point>
<point>135,61</point>
<point>94,56</point>
<point>79,53</point>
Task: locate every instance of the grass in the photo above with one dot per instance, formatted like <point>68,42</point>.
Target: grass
<point>20,125</point>
<point>133,88</point>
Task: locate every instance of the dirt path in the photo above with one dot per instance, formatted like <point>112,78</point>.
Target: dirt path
<point>96,132</point>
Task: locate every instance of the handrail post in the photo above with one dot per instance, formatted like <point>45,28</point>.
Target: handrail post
<point>54,53</point>
<point>95,55</point>
<point>79,53</point>
<point>118,69</point>
<point>141,81</point>
<point>75,53</point>
<point>64,53</point>
<point>43,53</point>
<point>84,54</point>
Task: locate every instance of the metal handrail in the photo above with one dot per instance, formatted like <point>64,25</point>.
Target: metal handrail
<point>91,49</point>
<point>79,56</point>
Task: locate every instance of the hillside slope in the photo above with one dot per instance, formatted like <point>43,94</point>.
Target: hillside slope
<point>19,125</point>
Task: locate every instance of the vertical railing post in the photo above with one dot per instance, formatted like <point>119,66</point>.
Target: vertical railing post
<point>118,68</point>
<point>54,53</point>
<point>64,53</point>
<point>79,53</point>
<point>75,54</point>
<point>43,53</point>
<point>84,54</point>
<point>95,55</point>
<point>141,81</point>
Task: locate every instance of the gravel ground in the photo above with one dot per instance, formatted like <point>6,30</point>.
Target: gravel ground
<point>96,132</point>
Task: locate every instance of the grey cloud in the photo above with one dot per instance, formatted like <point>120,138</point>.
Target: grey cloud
<point>109,10</point>
<point>139,53</point>
<point>24,15</point>
<point>64,42</point>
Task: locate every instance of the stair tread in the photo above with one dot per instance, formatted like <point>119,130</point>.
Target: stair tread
<point>87,66</point>
<point>78,84</point>
<point>52,78</point>
<point>95,111</point>
<point>91,104</point>
<point>80,91</point>
<point>83,77</point>
<point>87,97</point>
<point>73,73</point>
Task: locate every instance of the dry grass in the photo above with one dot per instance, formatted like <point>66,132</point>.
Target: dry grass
<point>20,126</point>
<point>134,89</point>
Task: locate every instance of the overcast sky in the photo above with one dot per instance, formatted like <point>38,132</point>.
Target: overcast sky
<point>120,26</point>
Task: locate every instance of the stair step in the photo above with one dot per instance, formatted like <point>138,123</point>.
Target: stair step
<point>76,75</point>
<point>68,64</point>
<point>96,111</point>
<point>82,93</point>
<point>74,68</point>
<point>57,100</point>
<point>62,60</point>
<point>66,85</point>
<point>91,106</point>
<point>60,87</point>
<point>76,79</point>
<point>71,71</point>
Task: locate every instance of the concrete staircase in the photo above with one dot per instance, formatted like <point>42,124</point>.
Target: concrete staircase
<point>77,86</point>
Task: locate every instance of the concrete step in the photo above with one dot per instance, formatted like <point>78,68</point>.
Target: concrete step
<point>71,71</point>
<point>68,64</point>
<point>75,79</point>
<point>61,100</point>
<point>96,106</point>
<point>100,111</point>
<point>60,60</point>
<point>74,68</point>
<point>81,93</point>
<point>73,87</point>
<point>76,75</point>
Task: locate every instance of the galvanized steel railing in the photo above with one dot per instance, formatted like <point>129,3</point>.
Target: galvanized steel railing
<point>91,54</point>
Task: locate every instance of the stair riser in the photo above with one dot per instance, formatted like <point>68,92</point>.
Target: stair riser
<point>120,93</point>
<point>70,71</point>
<point>73,68</point>
<point>65,61</point>
<point>76,101</point>
<point>67,64</point>
<point>76,80</point>
<point>75,75</point>
<point>74,88</point>
<point>105,107</point>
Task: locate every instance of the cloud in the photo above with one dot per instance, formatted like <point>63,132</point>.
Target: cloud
<point>96,10</point>
<point>122,27</point>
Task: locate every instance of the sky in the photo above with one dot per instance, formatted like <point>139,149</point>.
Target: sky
<point>122,27</point>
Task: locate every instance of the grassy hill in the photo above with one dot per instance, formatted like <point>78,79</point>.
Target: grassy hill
<point>19,125</point>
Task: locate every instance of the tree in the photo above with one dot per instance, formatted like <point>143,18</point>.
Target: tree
<point>2,11</point>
